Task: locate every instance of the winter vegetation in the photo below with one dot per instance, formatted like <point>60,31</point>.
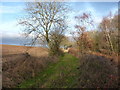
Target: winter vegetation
<point>86,58</point>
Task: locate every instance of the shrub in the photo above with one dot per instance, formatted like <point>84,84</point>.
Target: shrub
<point>23,68</point>
<point>97,72</point>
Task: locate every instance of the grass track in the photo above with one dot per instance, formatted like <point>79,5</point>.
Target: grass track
<point>63,74</point>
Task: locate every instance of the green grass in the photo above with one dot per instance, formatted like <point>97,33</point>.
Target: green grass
<point>63,74</point>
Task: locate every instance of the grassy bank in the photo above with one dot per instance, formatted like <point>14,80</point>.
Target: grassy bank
<point>63,74</point>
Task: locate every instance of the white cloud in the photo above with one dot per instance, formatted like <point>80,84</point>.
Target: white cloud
<point>96,17</point>
<point>114,10</point>
<point>60,0</point>
<point>10,9</point>
<point>89,9</point>
<point>11,29</point>
<point>8,34</point>
<point>10,26</point>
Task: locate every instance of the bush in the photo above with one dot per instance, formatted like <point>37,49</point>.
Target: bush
<point>97,72</point>
<point>54,52</point>
<point>23,68</point>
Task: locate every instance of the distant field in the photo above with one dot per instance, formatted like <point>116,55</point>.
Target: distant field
<point>13,49</point>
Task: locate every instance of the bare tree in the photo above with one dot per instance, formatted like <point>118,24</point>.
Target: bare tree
<point>56,38</point>
<point>106,26</point>
<point>81,36</point>
<point>42,18</point>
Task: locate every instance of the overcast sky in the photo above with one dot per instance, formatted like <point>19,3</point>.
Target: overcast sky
<point>10,12</point>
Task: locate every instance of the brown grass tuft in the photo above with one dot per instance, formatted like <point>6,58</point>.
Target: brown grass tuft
<point>97,72</point>
<point>19,65</point>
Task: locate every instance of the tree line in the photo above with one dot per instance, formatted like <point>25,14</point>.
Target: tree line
<point>47,22</point>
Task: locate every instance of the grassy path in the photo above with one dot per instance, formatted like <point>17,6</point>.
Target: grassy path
<point>63,74</point>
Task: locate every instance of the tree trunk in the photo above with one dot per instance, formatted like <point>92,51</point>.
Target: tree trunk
<point>109,39</point>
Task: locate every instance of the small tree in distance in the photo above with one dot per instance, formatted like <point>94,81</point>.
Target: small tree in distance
<point>82,38</point>
<point>56,38</point>
<point>105,26</point>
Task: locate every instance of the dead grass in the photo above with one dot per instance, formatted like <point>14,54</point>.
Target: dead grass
<point>97,72</point>
<point>97,69</point>
<point>18,66</point>
<point>112,56</point>
<point>74,52</point>
<point>104,53</point>
<point>13,49</point>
